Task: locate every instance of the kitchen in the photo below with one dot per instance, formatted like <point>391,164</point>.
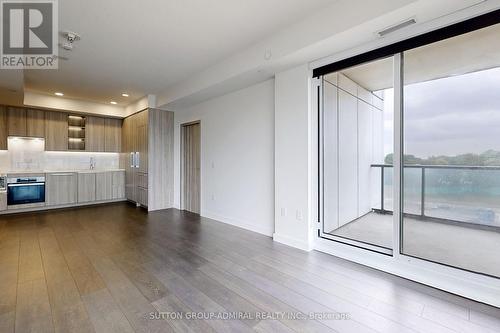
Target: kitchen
<point>58,159</point>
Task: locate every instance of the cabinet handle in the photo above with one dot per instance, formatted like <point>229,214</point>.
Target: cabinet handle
<point>61,174</point>
<point>138,161</point>
<point>132,160</point>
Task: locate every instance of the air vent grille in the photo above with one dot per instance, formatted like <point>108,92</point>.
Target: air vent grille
<point>396,27</point>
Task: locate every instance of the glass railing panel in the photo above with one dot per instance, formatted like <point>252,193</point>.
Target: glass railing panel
<point>412,190</point>
<point>463,195</point>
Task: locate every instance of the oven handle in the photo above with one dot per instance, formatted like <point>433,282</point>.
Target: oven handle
<point>27,184</point>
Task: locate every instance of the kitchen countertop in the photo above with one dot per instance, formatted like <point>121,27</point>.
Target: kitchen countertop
<point>24,172</point>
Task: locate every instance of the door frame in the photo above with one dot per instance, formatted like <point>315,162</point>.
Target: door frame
<point>181,160</point>
<point>476,286</point>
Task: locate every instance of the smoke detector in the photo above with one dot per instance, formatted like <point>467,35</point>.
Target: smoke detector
<point>71,37</point>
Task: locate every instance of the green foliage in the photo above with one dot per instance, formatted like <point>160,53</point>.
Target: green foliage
<point>488,158</point>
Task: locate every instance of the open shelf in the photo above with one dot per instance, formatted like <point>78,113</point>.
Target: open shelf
<point>76,132</point>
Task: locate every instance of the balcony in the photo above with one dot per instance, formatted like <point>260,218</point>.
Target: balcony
<point>451,215</point>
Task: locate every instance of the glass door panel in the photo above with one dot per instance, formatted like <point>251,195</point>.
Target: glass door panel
<point>451,155</point>
<point>357,148</point>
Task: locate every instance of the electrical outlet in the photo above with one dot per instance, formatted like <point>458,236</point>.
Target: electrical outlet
<point>299,215</point>
<point>212,197</point>
<point>284,212</point>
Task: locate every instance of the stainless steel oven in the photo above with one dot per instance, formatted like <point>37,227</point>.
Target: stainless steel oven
<point>25,191</point>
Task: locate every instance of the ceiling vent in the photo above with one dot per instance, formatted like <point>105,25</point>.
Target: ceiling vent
<point>396,27</point>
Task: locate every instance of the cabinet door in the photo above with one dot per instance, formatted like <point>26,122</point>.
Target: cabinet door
<point>118,183</point>
<point>112,135</point>
<point>128,137</point>
<point>3,128</point>
<point>142,196</point>
<point>142,141</point>
<point>86,187</point>
<point>16,118</point>
<point>61,189</point>
<point>35,123</point>
<point>104,186</point>
<point>94,134</point>
<point>56,131</point>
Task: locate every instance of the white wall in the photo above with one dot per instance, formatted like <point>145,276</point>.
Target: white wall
<point>293,178</point>
<point>237,157</point>
<point>351,185</point>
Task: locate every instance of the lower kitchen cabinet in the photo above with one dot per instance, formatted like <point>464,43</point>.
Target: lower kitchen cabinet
<point>61,189</point>
<point>86,187</point>
<point>110,185</point>
<point>118,183</point>
<point>142,196</point>
<point>104,186</point>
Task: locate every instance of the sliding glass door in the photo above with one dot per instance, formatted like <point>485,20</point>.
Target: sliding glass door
<point>434,196</point>
<point>452,152</point>
<point>357,150</point>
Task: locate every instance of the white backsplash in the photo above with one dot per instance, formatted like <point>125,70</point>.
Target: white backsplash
<point>28,154</point>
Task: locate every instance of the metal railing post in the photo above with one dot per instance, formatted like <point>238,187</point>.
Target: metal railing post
<point>422,200</point>
<point>382,189</point>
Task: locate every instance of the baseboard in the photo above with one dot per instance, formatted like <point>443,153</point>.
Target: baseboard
<point>293,242</point>
<point>240,223</point>
<point>76,205</point>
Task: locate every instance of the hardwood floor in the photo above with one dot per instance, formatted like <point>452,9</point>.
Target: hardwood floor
<point>115,268</point>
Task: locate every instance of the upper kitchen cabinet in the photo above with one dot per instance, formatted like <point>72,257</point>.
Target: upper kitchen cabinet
<point>3,128</point>
<point>56,131</point>
<point>112,135</point>
<point>94,134</point>
<point>35,123</point>
<point>25,122</point>
<point>16,121</point>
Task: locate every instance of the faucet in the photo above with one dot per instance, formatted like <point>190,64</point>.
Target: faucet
<point>92,163</point>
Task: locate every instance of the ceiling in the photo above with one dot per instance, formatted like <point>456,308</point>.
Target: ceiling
<point>142,47</point>
<point>477,50</point>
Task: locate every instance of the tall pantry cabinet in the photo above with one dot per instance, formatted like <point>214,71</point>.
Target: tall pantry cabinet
<point>147,157</point>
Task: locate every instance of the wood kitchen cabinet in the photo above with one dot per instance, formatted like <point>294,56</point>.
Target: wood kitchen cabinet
<point>118,185</point>
<point>86,187</point>
<point>26,122</point>
<point>56,131</point>
<point>35,123</point>
<point>147,157</point>
<point>104,186</point>
<point>112,135</point>
<point>16,121</point>
<point>110,185</point>
<point>61,188</point>
<point>94,134</point>
<point>3,128</point>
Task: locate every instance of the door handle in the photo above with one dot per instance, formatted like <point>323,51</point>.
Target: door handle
<point>27,184</point>
<point>132,160</point>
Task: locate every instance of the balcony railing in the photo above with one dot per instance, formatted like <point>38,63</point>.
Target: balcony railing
<point>464,194</point>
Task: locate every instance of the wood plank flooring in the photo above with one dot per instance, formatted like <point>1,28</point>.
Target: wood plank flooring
<point>114,268</point>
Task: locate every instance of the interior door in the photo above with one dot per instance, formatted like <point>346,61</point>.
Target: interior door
<point>191,144</point>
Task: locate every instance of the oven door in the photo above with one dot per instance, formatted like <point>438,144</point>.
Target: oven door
<point>19,194</point>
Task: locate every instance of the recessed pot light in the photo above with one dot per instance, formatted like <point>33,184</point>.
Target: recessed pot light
<point>125,95</point>
<point>113,102</point>
<point>59,94</point>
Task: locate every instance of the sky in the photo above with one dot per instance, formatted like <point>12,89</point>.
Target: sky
<point>450,116</point>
